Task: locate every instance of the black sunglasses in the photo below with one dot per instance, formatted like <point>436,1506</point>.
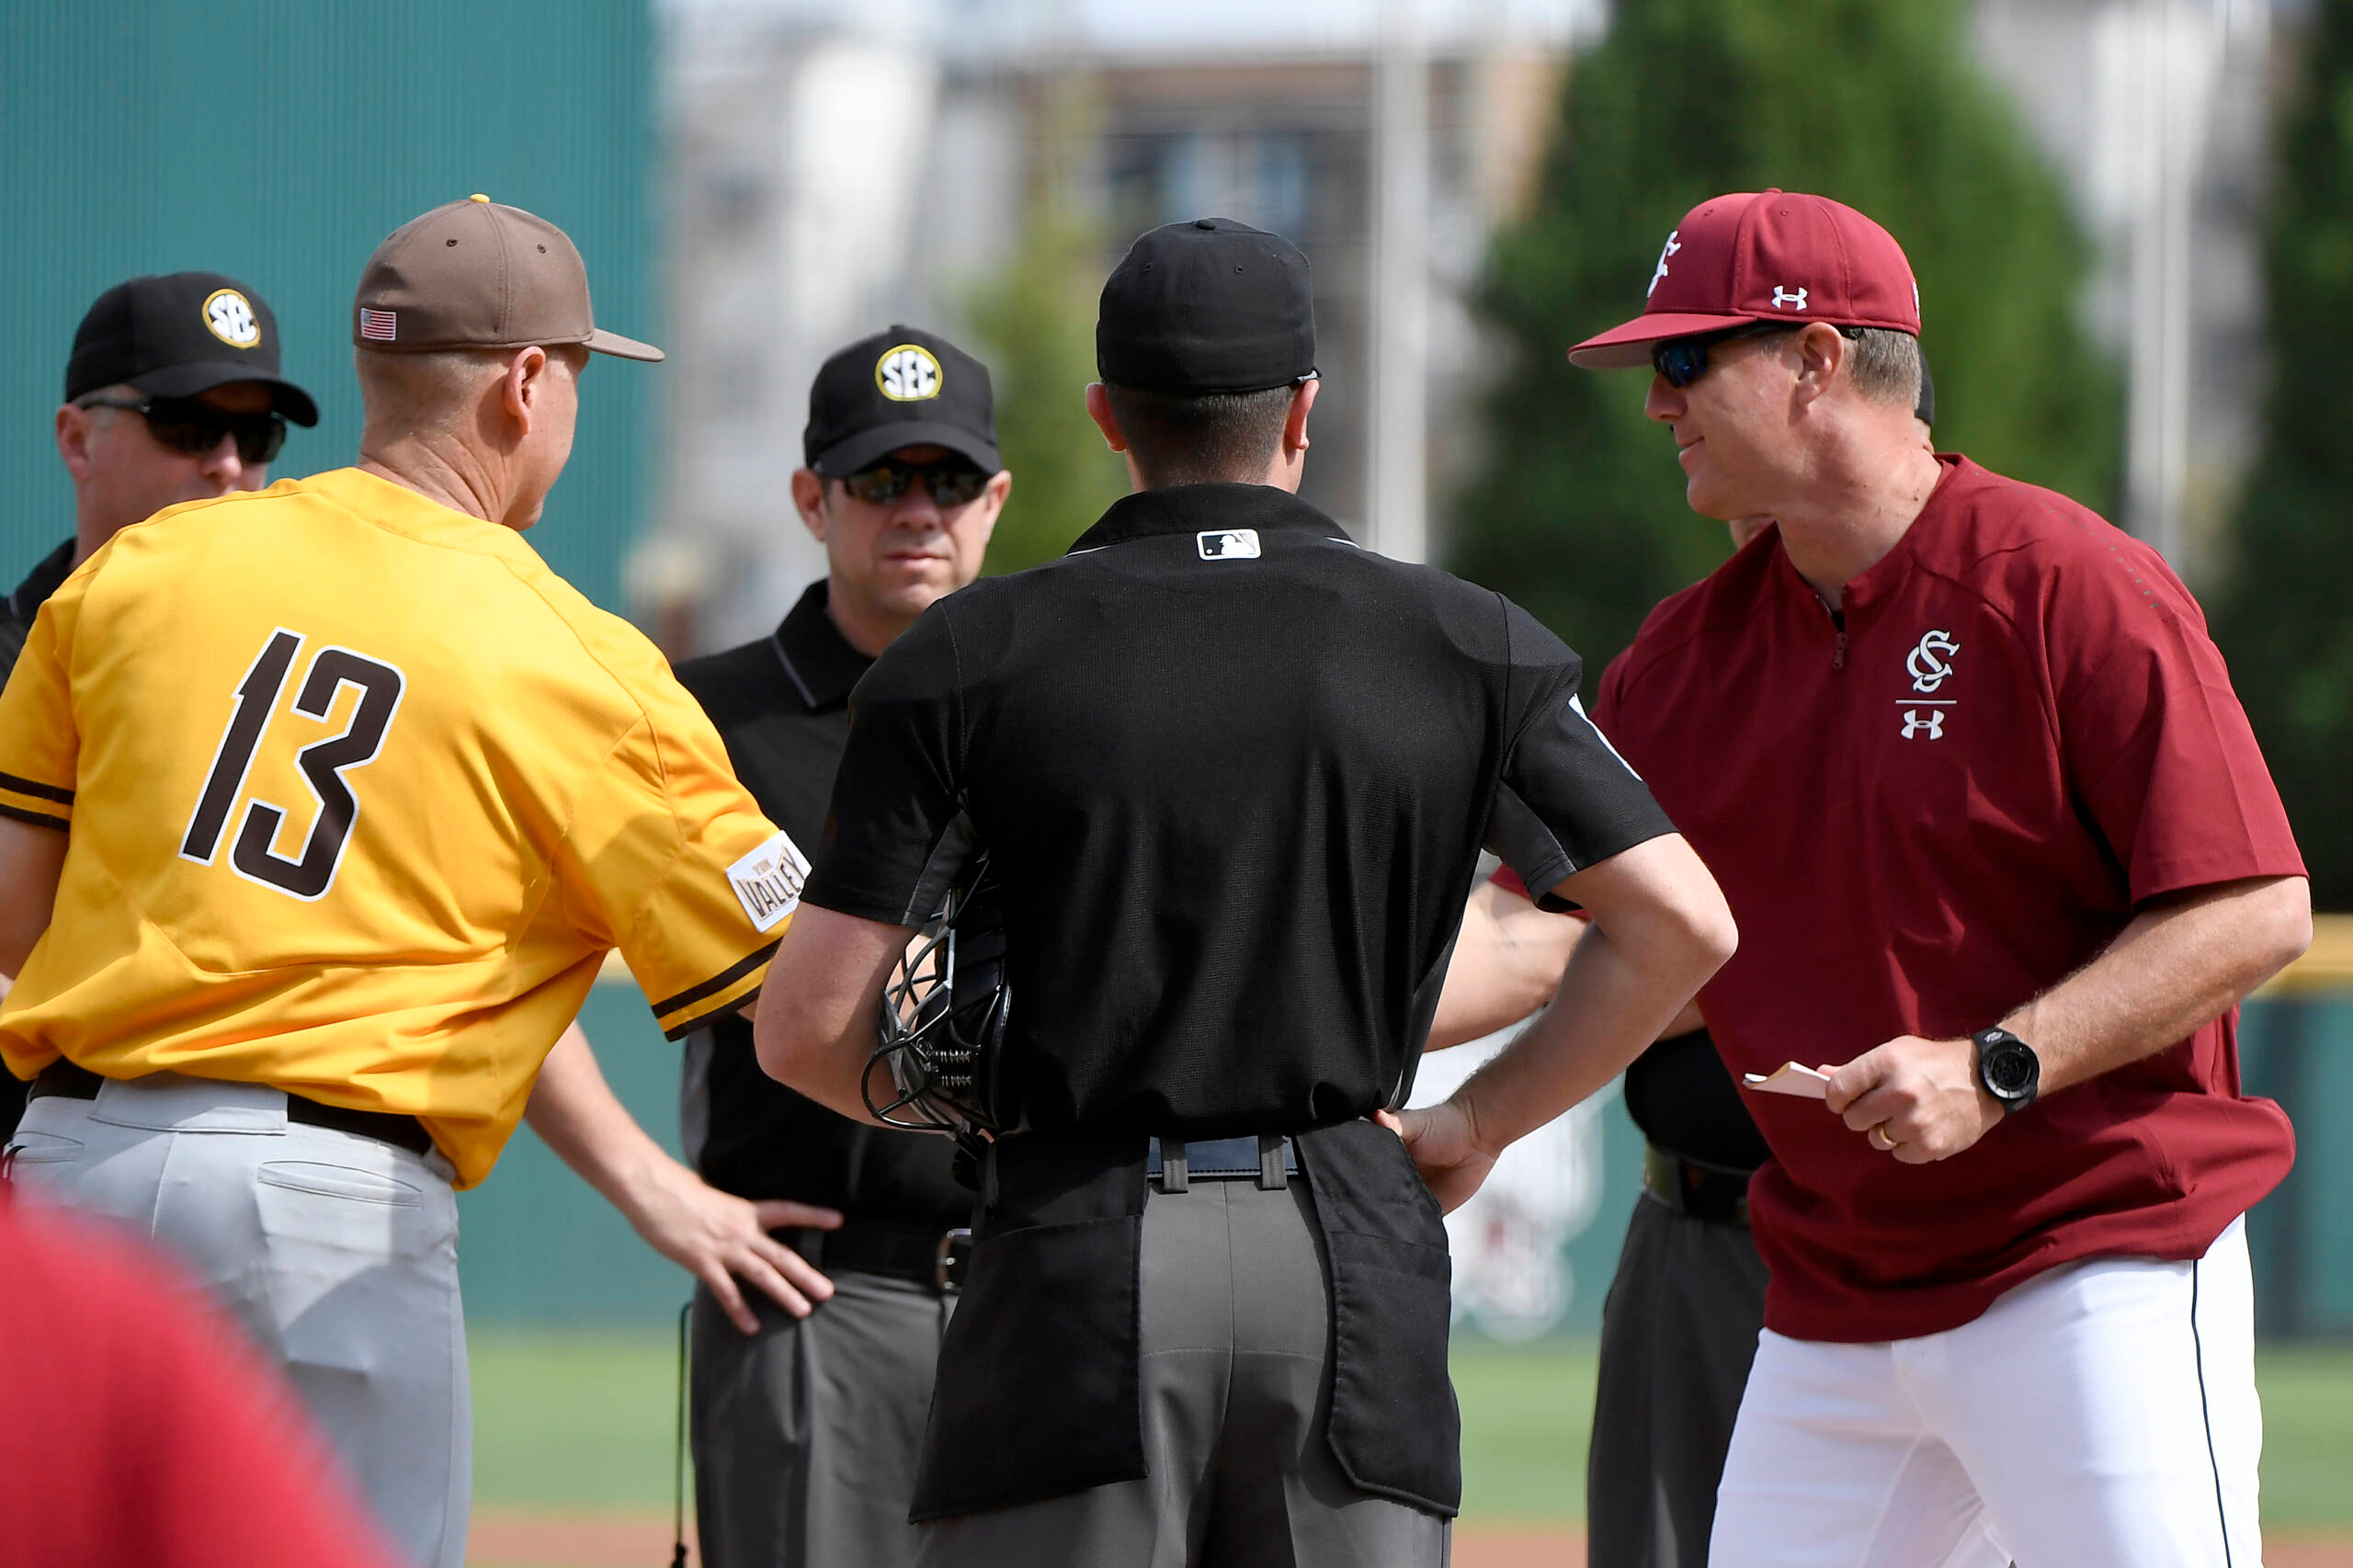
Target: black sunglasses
<point>194,427</point>
<point>1682,360</point>
<point>952,482</point>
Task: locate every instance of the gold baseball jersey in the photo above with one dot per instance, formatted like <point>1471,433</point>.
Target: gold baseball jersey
<point>358,795</point>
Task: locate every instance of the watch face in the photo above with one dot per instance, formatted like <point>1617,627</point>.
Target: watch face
<point>2009,1069</point>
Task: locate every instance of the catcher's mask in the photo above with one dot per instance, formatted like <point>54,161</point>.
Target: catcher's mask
<point>942,1028</point>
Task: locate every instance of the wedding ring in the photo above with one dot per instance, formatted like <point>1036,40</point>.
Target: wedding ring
<point>1879,1139</point>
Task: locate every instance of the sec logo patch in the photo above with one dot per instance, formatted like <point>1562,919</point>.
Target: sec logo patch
<point>907,373</point>
<point>230,316</point>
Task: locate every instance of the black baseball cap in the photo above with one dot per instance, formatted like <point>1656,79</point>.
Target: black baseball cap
<point>180,334</point>
<point>904,387</point>
<point>1209,306</point>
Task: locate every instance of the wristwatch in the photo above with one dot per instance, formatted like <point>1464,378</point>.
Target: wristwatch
<point>2008,1068</point>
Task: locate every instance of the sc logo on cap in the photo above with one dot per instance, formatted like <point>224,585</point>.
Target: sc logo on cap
<point>907,373</point>
<point>230,316</point>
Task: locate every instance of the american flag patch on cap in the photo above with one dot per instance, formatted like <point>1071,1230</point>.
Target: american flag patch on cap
<point>377,326</point>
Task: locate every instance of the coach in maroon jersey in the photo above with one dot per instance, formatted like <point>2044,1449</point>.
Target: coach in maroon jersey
<point>2005,857</point>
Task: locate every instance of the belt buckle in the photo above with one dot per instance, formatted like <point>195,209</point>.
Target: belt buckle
<point>952,1260</point>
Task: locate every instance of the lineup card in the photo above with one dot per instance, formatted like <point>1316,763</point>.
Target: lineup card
<point>1788,1078</point>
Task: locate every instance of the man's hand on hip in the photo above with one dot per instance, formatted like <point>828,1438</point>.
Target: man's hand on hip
<point>1446,1150</point>
<point>720,1239</point>
<point>714,1235</point>
<point>1916,1099</point>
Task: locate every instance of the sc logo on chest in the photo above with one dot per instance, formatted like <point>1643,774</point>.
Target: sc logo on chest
<point>1931,664</point>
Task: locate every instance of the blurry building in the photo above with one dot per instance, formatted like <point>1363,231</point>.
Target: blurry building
<point>828,174</point>
<point>834,166</point>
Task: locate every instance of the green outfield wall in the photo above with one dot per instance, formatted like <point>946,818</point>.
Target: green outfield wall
<point>278,140</point>
<point>540,1247</point>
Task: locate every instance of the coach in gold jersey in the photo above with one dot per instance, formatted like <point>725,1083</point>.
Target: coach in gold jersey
<point>321,806</point>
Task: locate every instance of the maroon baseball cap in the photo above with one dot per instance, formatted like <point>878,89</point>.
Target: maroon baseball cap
<point>1765,256</point>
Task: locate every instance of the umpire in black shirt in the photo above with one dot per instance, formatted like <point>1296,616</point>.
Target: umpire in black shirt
<point>1233,775</point>
<point>806,1434</point>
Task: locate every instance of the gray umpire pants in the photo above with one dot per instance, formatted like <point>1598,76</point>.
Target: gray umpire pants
<point>806,1435</point>
<point>337,1253</point>
<point>1678,1332</point>
<point>1236,1331</point>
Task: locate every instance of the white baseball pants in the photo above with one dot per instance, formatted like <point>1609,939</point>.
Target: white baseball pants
<point>337,1253</point>
<point>2102,1415</point>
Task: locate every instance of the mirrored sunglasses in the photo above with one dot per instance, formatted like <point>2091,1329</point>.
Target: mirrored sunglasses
<point>952,482</point>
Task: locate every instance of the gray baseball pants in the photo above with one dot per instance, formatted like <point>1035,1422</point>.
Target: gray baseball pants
<point>1678,1331</point>
<point>338,1254</point>
<point>806,1435</point>
<point>1236,1336</point>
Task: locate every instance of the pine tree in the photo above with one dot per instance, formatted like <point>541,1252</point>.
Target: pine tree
<point>1578,507</point>
<point>2283,620</point>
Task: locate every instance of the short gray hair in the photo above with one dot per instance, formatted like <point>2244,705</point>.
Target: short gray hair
<point>1885,365</point>
<point>429,390</point>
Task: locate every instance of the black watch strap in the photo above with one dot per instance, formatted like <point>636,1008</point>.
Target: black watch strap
<point>2007,1068</point>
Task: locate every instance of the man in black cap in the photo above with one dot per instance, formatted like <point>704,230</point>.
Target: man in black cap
<point>807,1430</point>
<point>172,393</point>
<point>1230,775</point>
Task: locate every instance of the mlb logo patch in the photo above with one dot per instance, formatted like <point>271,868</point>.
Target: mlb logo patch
<point>768,881</point>
<point>1228,544</point>
<point>377,326</point>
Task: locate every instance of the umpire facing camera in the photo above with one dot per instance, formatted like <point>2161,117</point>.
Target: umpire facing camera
<point>1231,774</point>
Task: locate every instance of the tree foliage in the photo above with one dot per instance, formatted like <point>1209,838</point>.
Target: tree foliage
<point>1036,318</point>
<point>1578,507</point>
<point>2282,620</point>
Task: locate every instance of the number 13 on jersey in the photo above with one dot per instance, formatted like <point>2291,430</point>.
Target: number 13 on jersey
<point>309,874</point>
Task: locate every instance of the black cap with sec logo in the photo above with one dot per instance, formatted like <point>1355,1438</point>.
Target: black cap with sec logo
<point>903,387</point>
<point>180,334</point>
<point>1209,306</point>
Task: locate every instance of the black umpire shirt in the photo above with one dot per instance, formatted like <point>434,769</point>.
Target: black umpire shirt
<point>1232,774</point>
<point>781,705</point>
<point>17,617</point>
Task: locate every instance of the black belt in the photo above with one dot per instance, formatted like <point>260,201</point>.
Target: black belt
<point>1269,1157</point>
<point>69,1080</point>
<point>1702,1191</point>
<point>936,1259</point>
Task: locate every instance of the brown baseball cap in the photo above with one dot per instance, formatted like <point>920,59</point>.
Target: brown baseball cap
<point>476,275</point>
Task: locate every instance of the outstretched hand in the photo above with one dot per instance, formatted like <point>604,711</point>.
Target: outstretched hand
<point>720,1238</point>
<point>1443,1140</point>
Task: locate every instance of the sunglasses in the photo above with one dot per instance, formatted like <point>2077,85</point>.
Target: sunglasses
<point>1682,360</point>
<point>193,427</point>
<point>952,482</point>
